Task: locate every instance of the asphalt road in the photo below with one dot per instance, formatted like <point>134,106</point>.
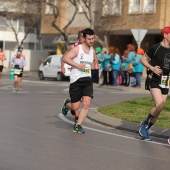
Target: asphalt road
<point>34,135</point>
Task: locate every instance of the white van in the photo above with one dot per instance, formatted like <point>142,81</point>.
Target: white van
<point>51,68</point>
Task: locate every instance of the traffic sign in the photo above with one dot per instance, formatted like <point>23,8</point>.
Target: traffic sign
<point>139,35</point>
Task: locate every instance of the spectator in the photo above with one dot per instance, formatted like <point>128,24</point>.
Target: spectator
<point>123,69</point>
<point>128,63</point>
<point>119,73</point>
<point>101,59</point>
<point>107,65</point>
<point>95,72</point>
<point>115,61</point>
<point>138,67</point>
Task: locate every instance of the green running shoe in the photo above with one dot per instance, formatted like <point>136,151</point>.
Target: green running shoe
<point>64,109</point>
<point>78,129</point>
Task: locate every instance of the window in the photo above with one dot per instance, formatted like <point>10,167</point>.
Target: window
<point>48,6</point>
<point>134,6</point>
<point>47,61</point>
<point>105,9</point>
<point>149,6</point>
<point>111,7</point>
<point>115,7</point>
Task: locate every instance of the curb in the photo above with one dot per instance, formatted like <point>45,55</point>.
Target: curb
<point>126,125</point>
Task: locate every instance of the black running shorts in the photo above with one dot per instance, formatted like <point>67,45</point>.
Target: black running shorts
<point>81,87</point>
<point>1,68</point>
<point>22,69</point>
<point>19,71</point>
<point>155,84</point>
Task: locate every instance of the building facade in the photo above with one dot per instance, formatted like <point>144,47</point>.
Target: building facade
<point>120,16</point>
<point>66,11</point>
<point>115,18</point>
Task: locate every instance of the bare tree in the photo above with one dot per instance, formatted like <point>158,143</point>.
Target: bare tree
<point>88,7</point>
<point>16,10</point>
<point>57,13</point>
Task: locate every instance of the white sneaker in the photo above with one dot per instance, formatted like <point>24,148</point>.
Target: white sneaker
<point>14,89</point>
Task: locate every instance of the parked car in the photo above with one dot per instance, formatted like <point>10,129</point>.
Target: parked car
<point>51,68</point>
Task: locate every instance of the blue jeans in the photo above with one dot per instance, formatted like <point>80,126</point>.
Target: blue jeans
<point>138,79</point>
<point>115,76</point>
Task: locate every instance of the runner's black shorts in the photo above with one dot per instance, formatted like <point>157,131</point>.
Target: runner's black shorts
<point>22,72</point>
<point>155,84</point>
<point>81,87</point>
<point>18,68</point>
<point>1,68</point>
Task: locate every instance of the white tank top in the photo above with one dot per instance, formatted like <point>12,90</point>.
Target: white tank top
<point>82,58</point>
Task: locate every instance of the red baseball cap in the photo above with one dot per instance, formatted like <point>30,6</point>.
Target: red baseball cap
<point>165,30</point>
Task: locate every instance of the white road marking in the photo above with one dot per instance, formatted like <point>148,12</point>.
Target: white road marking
<point>66,90</point>
<point>108,133</point>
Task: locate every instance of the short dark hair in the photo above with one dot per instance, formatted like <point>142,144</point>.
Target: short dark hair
<point>79,33</point>
<point>88,31</point>
<point>20,47</point>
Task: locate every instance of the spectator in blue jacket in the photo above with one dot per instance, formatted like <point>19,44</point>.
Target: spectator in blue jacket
<point>107,66</point>
<point>123,69</point>
<point>138,67</point>
<point>95,72</point>
<point>116,63</point>
<point>128,60</point>
<point>101,59</point>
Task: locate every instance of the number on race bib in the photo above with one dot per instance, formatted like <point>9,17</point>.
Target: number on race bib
<point>17,71</point>
<point>86,71</point>
<point>164,83</point>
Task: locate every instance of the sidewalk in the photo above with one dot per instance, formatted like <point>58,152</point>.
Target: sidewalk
<point>109,121</point>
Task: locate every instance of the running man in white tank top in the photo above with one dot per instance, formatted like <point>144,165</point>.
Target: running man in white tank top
<point>81,58</point>
<point>67,102</point>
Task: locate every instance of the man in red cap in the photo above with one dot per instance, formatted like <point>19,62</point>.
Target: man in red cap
<point>157,60</point>
<point>165,30</point>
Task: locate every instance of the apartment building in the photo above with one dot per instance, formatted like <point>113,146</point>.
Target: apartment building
<point>120,16</point>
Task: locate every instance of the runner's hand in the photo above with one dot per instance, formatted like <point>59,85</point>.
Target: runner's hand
<point>82,66</point>
<point>63,70</point>
<point>157,70</point>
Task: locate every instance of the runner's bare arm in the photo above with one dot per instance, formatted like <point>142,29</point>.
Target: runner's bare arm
<point>145,61</point>
<point>68,58</point>
<point>62,62</point>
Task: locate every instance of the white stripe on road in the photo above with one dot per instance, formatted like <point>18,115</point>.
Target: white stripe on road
<point>108,133</point>
<point>66,90</point>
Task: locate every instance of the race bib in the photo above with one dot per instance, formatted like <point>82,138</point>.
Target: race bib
<point>17,71</point>
<point>164,83</point>
<point>86,71</point>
